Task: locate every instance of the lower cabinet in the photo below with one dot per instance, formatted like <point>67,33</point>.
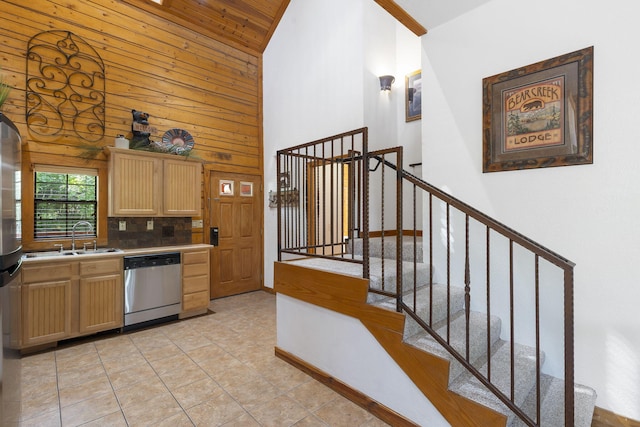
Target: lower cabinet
<point>46,308</point>
<point>100,295</point>
<point>65,299</point>
<point>62,300</point>
<point>195,282</point>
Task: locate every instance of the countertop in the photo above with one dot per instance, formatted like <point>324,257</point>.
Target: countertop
<point>123,252</point>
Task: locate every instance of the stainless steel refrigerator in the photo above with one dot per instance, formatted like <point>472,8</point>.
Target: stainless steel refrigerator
<point>10,264</point>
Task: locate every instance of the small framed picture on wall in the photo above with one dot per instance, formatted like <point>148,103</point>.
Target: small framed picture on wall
<point>413,96</point>
<point>226,187</point>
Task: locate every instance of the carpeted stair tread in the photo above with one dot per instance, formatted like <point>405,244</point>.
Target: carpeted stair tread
<point>552,404</point>
<point>525,373</point>
<point>387,281</point>
<point>377,246</point>
<point>457,339</point>
<point>423,298</point>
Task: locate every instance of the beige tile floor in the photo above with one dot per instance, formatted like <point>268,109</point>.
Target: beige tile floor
<point>213,370</point>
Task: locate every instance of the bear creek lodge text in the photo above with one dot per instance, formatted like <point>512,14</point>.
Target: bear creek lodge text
<point>533,115</point>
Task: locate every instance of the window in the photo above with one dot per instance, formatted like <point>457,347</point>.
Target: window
<point>62,197</point>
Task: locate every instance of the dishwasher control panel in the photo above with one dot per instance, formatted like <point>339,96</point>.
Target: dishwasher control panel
<point>151,260</point>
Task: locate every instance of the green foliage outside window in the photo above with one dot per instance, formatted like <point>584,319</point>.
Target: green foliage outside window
<point>61,200</point>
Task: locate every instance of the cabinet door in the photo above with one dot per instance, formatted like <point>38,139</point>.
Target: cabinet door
<point>195,281</point>
<point>134,188</point>
<point>182,184</point>
<point>101,303</point>
<point>195,301</point>
<point>46,312</point>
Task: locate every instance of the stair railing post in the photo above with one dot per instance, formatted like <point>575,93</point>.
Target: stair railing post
<point>399,239</point>
<point>568,348</point>
<point>365,204</point>
<point>279,214</point>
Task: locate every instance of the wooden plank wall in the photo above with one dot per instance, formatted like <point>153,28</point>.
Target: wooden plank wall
<point>180,77</point>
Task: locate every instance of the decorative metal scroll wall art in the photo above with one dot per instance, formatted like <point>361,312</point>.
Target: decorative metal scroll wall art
<point>65,87</point>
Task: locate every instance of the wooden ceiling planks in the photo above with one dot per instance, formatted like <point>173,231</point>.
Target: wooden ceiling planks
<point>244,24</point>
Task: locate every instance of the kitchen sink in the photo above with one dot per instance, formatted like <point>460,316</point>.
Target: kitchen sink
<point>52,254</point>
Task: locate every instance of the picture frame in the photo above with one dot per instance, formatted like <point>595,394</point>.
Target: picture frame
<point>246,189</point>
<point>226,187</point>
<point>413,96</point>
<point>540,115</point>
<point>285,179</point>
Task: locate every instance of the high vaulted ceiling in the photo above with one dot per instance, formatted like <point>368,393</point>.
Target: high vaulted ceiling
<point>244,24</point>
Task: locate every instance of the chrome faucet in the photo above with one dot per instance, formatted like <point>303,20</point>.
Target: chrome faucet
<point>73,232</point>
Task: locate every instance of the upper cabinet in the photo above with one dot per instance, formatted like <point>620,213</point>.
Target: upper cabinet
<point>181,187</point>
<point>151,184</point>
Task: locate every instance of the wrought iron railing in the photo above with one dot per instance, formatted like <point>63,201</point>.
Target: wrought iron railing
<point>322,198</point>
<point>502,272</point>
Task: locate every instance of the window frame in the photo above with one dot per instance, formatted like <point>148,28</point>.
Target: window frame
<point>67,171</point>
<point>50,162</point>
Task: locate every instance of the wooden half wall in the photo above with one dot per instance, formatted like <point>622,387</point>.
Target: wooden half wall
<point>348,295</point>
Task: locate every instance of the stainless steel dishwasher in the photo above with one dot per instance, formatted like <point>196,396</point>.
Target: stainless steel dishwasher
<point>152,288</point>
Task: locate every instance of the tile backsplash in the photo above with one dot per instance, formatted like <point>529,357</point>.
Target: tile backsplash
<point>165,232</point>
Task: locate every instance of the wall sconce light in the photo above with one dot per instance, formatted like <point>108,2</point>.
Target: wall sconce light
<point>386,82</point>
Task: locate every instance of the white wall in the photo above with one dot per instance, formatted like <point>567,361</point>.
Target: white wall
<point>313,85</point>
<point>321,73</point>
<point>587,213</point>
<point>315,75</point>
<point>354,357</point>
<point>320,78</point>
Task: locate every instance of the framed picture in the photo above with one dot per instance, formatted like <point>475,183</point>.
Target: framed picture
<point>413,96</point>
<point>284,178</point>
<point>540,115</point>
<point>246,189</point>
<point>226,187</point>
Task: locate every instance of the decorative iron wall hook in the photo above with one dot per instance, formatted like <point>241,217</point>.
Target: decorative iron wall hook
<point>65,87</point>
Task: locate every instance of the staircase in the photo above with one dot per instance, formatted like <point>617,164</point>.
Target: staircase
<point>494,303</point>
<point>460,380</point>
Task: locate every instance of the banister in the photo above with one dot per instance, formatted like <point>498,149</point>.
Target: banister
<point>333,176</point>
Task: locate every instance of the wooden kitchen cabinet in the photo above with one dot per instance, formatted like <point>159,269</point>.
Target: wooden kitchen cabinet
<point>195,282</point>
<point>181,187</point>
<point>67,299</point>
<point>100,295</point>
<point>46,302</point>
<point>46,308</point>
<point>134,188</point>
<point>153,184</point>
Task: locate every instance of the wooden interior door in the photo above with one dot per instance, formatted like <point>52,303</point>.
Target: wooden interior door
<point>330,188</point>
<point>236,211</point>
